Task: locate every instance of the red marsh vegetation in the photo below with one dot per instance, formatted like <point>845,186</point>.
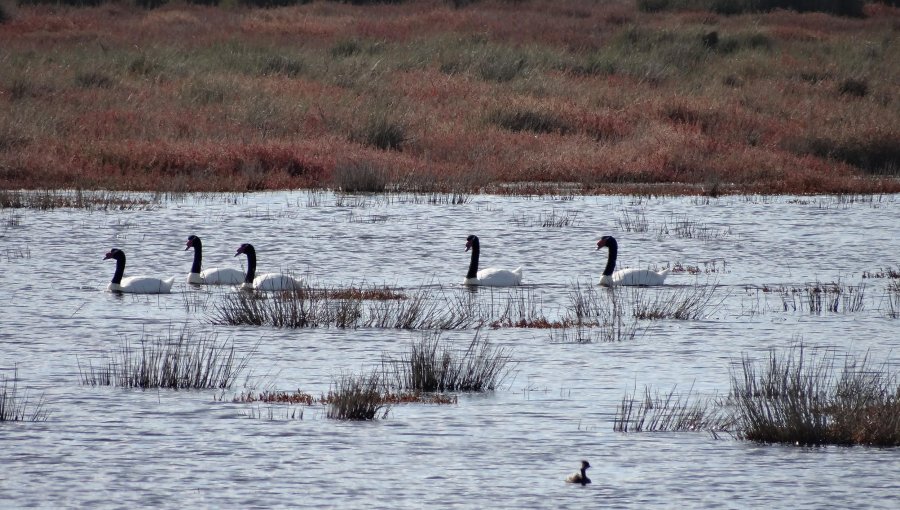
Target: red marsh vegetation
<point>601,97</point>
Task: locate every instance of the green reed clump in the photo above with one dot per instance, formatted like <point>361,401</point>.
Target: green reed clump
<point>431,364</point>
<point>797,398</point>
<point>877,153</point>
<point>357,397</point>
<point>520,119</point>
<point>669,412</point>
<point>359,177</point>
<point>282,65</point>
<point>382,130</point>
<point>852,8</point>
<point>14,407</point>
<point>176,362</point>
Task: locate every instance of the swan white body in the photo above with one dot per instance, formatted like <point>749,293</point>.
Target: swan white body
<point>626,277</point>
<point>213,275</point>
<point>635,277</point>
<point>267,281</point>
<point>493,277</point>
<point>217,276</point>
<point>489,276</point>
<point>135,284</point>
<point>274,282</point>
<point>142,285</point>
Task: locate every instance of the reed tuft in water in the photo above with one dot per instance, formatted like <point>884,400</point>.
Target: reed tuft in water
<point>816,298</point>
<point>14,407</point>
<point>669,412</point>
<point>682,303</point>
<point>177,361</point>
<point>431,364</point>
<point>357,397</point>
<point>800,398</point>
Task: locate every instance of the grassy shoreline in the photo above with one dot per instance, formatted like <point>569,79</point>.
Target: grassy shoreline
<point>504,97</point>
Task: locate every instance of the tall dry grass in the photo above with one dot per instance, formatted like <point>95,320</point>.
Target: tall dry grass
<point>814,398</point>
<point>432,364</point>
<point>17,407</point>
<point>186,97</point>
<point>176,361</point>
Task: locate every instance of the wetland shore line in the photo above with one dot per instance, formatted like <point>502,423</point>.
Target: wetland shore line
<point>492,96</point>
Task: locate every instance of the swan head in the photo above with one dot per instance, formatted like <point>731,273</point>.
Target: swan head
<point>245,249</point>
<point>471,242</point>
<point>115,253</point>
<point>192,242</point>
<point>606,241</point>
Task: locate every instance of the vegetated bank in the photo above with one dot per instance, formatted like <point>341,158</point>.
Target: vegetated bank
<point>600,97</point>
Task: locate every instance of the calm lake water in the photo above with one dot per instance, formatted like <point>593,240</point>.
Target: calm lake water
<point>107,447</point>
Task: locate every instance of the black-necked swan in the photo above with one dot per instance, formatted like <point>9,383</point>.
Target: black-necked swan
<point>213,275</point>
<point>631,277</point>
<point>490,276</point>
<point>580,476</point>
<point>268,281</point>
<point>135,284</point>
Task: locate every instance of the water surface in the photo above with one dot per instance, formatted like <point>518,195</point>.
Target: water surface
<point>109,447</point>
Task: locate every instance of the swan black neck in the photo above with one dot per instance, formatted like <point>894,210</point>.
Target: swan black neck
<point>250,252</point>
<point>473,243</point>
<point>610,242</point>
<point>195,243</point>
<point>119,255</point>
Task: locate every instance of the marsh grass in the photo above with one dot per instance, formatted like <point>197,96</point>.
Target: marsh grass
<point>632,222</point>
<point>273,413</point>
<point>15,407</point>
<point>533,121</point>
<point>177,361</point>
<point>302,398</point>
<point>552,219</point>
<point>424,308</point>
<point>709,267</point>
<point>78,199</point>
<point>815,398</point>
<point>383,129</point>
<point>892,298</point>
<point>887,272</point>
<point>682,303</point>
<point>816,298</point>
<point>432,364</point>
<point>687,228</point>
<point>669,412</point>
<point>614,329</point>
<point>359,177</point>
<point>357,397</point>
